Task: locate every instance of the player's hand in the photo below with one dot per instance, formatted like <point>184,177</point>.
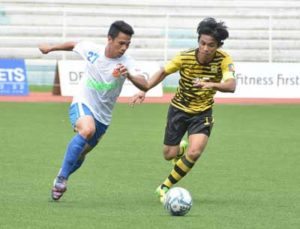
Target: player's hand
<point>45,48</point>
<point>203,83</point>
<point>138,98</point>
<point>120,70</point>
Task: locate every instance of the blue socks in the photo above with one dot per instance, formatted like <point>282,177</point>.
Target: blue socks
<point>77,165</point>
<point>72,160</point>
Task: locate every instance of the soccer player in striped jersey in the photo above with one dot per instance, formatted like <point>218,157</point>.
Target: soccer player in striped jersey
<point>203,71</point>
<point>91,109</point>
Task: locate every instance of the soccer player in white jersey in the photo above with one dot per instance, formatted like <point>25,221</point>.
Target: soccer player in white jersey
<point>90,112</point>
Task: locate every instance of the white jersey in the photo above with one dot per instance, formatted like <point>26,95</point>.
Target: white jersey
<point>99,89</point>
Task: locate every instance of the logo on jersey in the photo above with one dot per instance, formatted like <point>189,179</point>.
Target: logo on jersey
<point>116,72</point>
<point>99,86</point>
<point>214,69</point>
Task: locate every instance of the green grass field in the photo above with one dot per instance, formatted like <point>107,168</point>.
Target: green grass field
<point>248,176</point>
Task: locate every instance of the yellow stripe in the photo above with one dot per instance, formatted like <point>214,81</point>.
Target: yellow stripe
<point>183,167</point>
<point>168,183</point>
<point>175,175</point>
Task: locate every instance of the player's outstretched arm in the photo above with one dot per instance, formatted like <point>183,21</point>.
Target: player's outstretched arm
<point>67,46</point>
<point>157,77</point>
<point>145,85</point>
<point>228,86</point>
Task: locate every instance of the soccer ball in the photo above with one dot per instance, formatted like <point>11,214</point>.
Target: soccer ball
<point>178,201</point>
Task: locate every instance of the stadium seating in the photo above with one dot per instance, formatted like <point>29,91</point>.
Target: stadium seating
<point>260,30</point>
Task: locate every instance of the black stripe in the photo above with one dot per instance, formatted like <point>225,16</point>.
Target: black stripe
<point>186,162</point>
<point>172,179</point>
<point>179,171</point>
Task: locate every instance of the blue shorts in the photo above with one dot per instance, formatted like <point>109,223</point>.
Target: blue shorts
<point>78,110</point>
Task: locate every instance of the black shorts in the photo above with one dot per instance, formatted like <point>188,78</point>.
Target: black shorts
<point>180,122</point>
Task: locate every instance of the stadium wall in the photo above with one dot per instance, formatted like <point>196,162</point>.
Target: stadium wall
<point>264,31</point>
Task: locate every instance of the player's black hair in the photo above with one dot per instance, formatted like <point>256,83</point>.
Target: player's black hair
<point>120,26</point>
<point>218,30</point>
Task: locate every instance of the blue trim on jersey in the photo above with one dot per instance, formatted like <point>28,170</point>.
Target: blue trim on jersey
<point>77,110</point>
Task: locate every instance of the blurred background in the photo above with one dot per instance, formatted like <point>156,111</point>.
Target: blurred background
<point>260,30</point>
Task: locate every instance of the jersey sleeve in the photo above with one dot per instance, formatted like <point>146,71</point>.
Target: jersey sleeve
<point>228,70</point>
<point>87,50</point>
<point>173,65</point>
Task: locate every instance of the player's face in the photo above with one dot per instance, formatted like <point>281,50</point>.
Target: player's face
<point>117,47</point>
<point>207,48</point>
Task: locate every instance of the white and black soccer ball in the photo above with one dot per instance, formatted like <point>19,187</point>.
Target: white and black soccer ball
<point>178,201</point>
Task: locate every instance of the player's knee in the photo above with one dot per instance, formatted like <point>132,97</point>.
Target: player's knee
<point>87,132</point>
<point>169,154</point>
<point>168,157</point>
<point>194,154</point>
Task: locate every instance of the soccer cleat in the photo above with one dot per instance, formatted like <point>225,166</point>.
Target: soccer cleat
<point>59,187</point>
<point>182,149</point>
<point>161,193</point>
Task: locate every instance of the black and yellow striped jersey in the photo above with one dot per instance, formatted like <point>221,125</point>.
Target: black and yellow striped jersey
<point>189,98</point>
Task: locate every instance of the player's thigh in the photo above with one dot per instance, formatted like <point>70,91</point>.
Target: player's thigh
<point>176,126</point>
<point>86,124</point>
<point>82,119</point>
<point>197,144</point>
<point>201,123</point>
